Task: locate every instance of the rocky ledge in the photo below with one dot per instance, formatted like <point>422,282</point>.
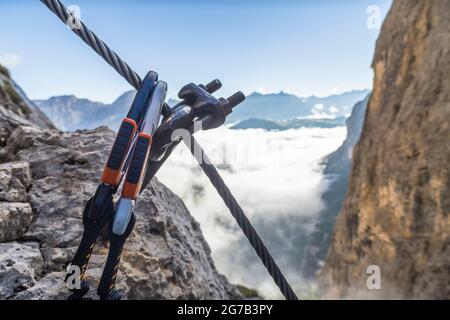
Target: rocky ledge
<point>46,177</point>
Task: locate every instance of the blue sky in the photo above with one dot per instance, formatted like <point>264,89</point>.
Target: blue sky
<point>302,47</point>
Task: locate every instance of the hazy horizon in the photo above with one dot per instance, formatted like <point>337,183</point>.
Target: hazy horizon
<point>175,98</point>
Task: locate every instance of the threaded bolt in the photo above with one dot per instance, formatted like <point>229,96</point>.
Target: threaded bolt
<point>236,99</point>
<point>213,86</point>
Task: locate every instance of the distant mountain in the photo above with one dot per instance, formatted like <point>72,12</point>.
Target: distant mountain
<point>257,124</point>
<point>290,124</point>
<point>339,162</point>
<point>283,106</point>
<point>71,113</point>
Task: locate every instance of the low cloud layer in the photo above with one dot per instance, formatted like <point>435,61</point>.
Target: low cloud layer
<point>278,180</point>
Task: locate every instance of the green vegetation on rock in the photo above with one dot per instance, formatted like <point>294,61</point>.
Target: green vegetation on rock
<point>11,99</point>
<point>248,293</point>
<point>11,93</point>
<point>4,71</point>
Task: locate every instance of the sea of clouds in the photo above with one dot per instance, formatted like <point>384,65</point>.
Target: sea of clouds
<point>277,178</point>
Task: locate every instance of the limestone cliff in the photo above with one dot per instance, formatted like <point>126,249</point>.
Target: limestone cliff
<point>46,177</point>
<point>337,170</point>
<point>397,211</point>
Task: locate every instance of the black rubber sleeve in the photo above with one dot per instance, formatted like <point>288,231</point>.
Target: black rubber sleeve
<point>120,147</point>
<point>108,280</point>
<point>138,161</point>
<point>90,234</point>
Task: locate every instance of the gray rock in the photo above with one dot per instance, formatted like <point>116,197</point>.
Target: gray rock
<point>16,110</point>
<point>9,121</point>
<point>34,114</point>
<point>339,162</point>
<point>20,264</point>
<point>15,217</point>
<point>166,256</point>
<point>56,258</point>
<point>13,98</point>
<point>15,180</point>
<point>51,287</point>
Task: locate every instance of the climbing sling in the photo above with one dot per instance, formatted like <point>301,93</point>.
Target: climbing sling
<point>140,149</point>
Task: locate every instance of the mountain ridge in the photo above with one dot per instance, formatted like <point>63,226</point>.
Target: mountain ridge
<point>71,113</point>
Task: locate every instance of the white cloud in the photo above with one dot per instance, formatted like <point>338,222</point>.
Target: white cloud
<point>262,90</point>
<point>333,109</point>
<point>338,88</point>
<point>10,60</point>
<point>319,112</point>
<point>319,107</point>
<point>265,90</point>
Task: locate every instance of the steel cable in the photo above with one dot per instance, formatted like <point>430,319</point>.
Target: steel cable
<point>236,210</point>
<point>102,49</point>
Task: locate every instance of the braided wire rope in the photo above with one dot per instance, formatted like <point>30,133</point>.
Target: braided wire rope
<point>113,59</point>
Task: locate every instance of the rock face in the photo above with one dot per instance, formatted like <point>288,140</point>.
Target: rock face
<point>397,211</point>
<point>46,178</point>
<point>17,108</point>
<point>337,170</point>
<point>340,161</point>
<point>20,264</point>
<point>14,220</point>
